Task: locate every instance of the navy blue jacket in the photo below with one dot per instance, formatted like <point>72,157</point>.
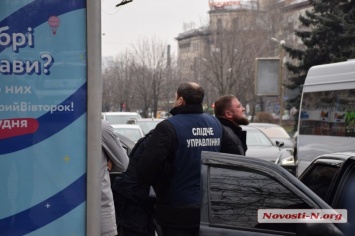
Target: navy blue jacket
<point>196,133</point>
<point>160,160</point>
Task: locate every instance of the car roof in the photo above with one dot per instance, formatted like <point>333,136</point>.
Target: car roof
<point>338,155</point>
<point>264,124</point>
<point>120,113</point>
<point>143,120</point>
<point>149,119</point>
<point>128,126</point>
<point>245,127</point>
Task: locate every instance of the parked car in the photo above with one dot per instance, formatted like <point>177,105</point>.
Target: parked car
<point>126,143</point>
<point>332,177</point>
<point>276,133</point>
<point>146,124</point>
<point>236,187</point>
<point>133,132</point>
<point>260,146</point>
<point>120,117</point>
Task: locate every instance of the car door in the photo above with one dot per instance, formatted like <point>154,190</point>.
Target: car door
<point>235,187</point>
<point>344,194</point>
<point>321,175</point>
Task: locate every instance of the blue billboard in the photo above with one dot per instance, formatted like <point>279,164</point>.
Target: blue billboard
<point>43,106</point>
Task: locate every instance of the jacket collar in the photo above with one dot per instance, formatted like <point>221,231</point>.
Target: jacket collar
<point>230,124</point>
<point>187,109</point>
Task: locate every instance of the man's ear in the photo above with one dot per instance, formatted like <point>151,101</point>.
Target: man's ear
<point>181,101</point>
<point>228,114</point>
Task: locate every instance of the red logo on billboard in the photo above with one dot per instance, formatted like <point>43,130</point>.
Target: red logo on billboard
<point>16,127</point>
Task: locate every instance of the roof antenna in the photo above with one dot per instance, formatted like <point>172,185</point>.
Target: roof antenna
<point>123,2</point>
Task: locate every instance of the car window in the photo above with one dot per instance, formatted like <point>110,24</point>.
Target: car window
<point>319,178</point>
<point>147,125</point>
<point>347,198</point>
<point>257,138</point>
<point>119,119</point>
<point>235,195</point>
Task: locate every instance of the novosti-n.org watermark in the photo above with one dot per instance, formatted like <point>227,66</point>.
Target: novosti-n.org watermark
<point>302,216</point>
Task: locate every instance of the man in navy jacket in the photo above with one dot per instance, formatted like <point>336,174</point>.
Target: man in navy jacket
<point>171,163</point>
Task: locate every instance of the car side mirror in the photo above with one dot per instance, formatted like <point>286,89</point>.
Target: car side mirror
<point>280,144</point>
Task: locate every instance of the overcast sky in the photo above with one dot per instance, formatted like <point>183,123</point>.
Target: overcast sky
<point>147,19</point>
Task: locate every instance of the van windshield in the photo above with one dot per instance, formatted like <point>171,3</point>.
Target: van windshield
<point>328,113</point>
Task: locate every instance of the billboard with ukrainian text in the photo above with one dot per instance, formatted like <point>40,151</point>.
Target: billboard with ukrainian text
<point>43,97</point>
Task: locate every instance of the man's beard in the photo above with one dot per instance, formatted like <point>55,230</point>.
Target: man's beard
<point>242,121</point>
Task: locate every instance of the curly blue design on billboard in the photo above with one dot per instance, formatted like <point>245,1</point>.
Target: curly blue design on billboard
<point>45,212</point>
<point>43,105</point>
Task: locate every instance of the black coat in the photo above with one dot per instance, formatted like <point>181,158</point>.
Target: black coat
<point>237,134</point>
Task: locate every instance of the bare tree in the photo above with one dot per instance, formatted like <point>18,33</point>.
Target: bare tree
<point>235,41</point>
<point>118,90</point>
<point>150,59</point>
<point>232,52</point>
<point>170,83</point>
<point>145,78</point>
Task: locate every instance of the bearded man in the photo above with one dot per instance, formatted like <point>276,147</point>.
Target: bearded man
<point>231,113</point>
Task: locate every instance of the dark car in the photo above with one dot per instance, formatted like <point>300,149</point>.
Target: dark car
<point>236,187</point>
<point>331,174</point>
<point>332,177</point>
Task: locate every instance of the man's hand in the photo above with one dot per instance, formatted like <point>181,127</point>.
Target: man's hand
<point>109,165</point>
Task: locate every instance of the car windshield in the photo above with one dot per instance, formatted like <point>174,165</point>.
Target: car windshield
<point>132,134</point>
<point>257,138</point>
<point>147,125</point>
<point>275,132</point>
<point>120,118</point>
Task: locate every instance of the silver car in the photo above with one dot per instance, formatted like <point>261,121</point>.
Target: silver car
<point>260,146</point>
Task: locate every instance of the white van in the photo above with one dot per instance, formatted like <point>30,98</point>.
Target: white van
<point>327,113</point>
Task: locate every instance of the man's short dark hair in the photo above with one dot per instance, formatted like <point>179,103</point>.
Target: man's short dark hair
<point>223,103</point>
<point>192,93</point>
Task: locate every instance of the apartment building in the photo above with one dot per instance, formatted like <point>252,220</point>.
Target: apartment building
<point>196,42</point>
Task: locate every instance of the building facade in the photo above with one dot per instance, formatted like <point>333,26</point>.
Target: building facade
<point>275,19</point>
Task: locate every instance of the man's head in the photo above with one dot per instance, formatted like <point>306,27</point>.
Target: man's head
<point>189,94</point>
<point>229,107</point>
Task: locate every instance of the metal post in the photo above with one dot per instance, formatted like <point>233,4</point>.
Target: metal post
<point>93,206</point>
<point>281,53</point>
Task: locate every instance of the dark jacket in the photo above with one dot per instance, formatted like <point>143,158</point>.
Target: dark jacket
<point>238,135</point>
<point>156,168</point>
<point>134,207</point>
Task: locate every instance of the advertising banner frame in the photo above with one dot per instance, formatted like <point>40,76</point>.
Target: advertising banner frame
<point>267,76</point>
<point>50,120</point>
